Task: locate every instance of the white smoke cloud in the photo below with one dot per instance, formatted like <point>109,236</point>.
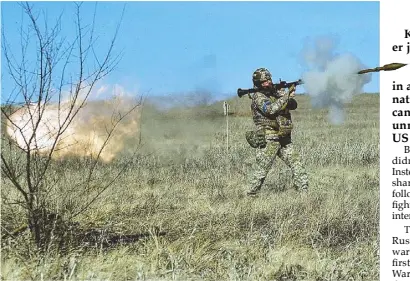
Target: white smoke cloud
<point>331,79</point>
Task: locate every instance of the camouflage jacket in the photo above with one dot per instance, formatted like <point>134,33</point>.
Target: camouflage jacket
<point>270,113</point>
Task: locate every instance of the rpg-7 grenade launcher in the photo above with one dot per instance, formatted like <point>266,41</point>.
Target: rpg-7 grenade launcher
<point>274,87</point>
<point>291,85</point>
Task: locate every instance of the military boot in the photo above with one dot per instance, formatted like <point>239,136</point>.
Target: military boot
<point>255,187</point>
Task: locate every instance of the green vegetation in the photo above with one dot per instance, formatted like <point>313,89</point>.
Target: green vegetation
<point>179,185</point>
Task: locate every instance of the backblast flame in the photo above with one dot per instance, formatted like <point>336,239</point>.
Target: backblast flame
<point>84,137</point>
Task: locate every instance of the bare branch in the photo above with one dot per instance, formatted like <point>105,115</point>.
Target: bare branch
<point>6,169</point>
<point>45,85</point>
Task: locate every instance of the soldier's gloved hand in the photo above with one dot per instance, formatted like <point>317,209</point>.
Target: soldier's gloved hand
<point>282,93</point>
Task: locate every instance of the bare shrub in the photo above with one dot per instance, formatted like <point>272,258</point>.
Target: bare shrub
<point>48,117</point>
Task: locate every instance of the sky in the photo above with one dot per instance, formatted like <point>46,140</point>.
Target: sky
<point>170,48</point>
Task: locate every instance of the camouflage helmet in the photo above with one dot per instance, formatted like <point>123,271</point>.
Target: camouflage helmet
<point>261,75</point>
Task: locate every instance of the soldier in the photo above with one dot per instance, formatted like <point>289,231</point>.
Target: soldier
<point>271,115</point>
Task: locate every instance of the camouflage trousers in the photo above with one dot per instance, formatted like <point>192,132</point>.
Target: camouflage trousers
<point>264,161</point>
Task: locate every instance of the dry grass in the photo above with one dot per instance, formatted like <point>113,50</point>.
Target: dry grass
<point>179,184</point>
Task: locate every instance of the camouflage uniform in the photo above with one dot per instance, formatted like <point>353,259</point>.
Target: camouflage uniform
<point>271,113</point>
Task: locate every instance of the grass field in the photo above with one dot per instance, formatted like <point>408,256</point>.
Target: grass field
<point>184,184</point>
